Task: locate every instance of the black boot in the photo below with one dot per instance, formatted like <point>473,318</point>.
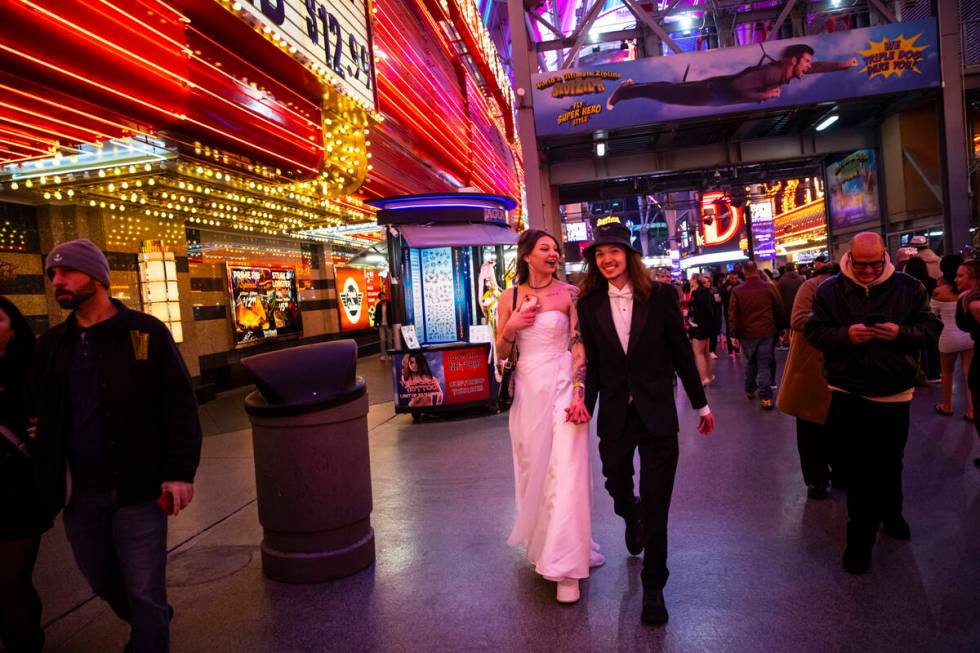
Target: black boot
<point>654,608</point>
<point>897,528</point>
<point>857,554</point>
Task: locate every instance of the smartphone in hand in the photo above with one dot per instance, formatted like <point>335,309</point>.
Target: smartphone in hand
<point>166,502</point>
<point>873,319</point>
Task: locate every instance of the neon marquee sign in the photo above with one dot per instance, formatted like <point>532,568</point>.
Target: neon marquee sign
<point>718,207</point>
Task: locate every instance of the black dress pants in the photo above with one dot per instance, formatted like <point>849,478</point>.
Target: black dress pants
<point>658,465</point>
<point>872,445</point>
<point>813,442</point>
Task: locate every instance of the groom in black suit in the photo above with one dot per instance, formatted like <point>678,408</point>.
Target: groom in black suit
<point>635,343</point>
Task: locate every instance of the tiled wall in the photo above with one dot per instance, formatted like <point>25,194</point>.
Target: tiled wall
<point>20,254</point>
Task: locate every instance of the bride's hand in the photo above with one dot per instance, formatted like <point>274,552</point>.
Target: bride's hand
<point>521,319</point>
<point>577,413</point>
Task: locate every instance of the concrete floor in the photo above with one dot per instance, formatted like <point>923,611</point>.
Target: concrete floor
<point>754,565</point>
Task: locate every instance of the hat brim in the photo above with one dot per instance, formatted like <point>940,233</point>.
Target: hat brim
<point>590,250</point>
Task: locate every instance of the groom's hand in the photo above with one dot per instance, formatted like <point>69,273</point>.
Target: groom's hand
<point>577,413</point>
<point>706,424</point>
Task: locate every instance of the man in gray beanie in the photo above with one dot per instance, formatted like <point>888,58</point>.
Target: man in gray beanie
<point>114,406</point>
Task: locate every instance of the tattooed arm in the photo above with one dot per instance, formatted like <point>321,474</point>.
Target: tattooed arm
<point>577,346</point>
<point>577,411</point>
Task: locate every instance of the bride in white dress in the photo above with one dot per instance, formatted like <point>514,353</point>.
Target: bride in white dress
<point>549,424</point>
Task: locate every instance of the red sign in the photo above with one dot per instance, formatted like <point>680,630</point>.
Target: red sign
<point>358,291</point>
<point>466,374</point>
<point>716,209</point>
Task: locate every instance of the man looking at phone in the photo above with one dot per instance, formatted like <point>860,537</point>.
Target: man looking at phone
<point>114,405</point>
<point>870,322</point>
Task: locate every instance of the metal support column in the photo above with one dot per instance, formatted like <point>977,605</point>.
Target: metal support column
<point>953,153</point>
<point>542,209</point>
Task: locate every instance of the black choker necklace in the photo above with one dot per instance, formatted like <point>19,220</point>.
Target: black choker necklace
<point>540,287</point>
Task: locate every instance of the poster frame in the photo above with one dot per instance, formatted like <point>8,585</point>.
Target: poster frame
<point>231,307</point>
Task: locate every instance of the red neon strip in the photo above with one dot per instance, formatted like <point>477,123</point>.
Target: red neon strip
<point>27,135</point>
<point>46,130</point>
<point>160,68</point>
<point>65,107</point>
<point>156,108</point>
<point>54,120</point>
<point>24,146</point>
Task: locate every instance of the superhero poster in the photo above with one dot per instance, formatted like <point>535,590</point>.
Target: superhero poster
<point>894,58</point>
<point>265,304</point>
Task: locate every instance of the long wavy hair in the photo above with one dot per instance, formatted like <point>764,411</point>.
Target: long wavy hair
<point>639,277</point>
<point>21,347</point>
<point>525,245</point>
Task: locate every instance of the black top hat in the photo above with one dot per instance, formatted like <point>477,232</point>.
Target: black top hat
<point>610,231</point>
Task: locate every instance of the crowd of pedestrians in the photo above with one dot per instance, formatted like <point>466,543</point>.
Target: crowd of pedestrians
<point>861,335</point>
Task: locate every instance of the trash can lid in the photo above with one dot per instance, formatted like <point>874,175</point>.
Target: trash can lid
<point>304,379</point>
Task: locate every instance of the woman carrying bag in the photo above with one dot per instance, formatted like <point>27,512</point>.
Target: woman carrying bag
<point>803,393</point>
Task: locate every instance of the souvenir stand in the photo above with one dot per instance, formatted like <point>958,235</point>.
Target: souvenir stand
<point>448,255</point>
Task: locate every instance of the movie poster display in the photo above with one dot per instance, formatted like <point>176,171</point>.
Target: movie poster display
<point>852,189</point>
<point>265,304</point>
<point>427,379</point>
<point>358,292</point>
<point>893,58</point>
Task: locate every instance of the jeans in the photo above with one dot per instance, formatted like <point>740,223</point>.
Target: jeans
<point>385,339</point>
<point>758,373</point>
<point>122,552</point>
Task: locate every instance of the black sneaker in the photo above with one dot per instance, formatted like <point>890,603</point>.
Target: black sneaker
<point>856,559</point>
<point>897,528</point>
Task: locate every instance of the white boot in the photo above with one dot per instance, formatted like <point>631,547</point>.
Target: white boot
<point>568,590</point>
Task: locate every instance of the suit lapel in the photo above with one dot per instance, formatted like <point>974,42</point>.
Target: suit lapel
<point>639,320</point>
<point>603,313</point>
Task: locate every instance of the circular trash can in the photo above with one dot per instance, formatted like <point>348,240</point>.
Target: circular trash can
<point>312,466</point>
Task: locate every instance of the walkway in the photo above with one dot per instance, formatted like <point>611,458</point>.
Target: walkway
<point>755,566</point>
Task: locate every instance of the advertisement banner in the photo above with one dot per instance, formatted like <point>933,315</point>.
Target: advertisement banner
<point>265,303</point>
<point>882,59</point>
<point>446,377</point>
<point>358,291</point>
<point>852,189</point>
<point>763,231</point>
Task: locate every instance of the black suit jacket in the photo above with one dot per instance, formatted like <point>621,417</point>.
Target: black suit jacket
<point>657,348</point>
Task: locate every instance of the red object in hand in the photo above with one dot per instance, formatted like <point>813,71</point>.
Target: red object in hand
<point>166,502</point>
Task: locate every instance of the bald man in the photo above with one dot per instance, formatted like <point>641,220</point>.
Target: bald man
<point>870,322</point>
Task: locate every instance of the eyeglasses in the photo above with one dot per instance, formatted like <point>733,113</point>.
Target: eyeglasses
<point>866,265</point>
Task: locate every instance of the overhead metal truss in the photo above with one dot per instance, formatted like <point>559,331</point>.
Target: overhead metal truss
<point>565,27</point>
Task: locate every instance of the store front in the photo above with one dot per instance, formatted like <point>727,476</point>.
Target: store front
<point>226,190</point>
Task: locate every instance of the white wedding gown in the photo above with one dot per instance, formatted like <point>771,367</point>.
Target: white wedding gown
<point>551,456</point>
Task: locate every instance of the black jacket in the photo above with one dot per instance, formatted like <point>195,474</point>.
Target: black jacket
<point>657,347</point>
<point>146,401</point>
<point>19,513</point>
<point>875,368</point>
